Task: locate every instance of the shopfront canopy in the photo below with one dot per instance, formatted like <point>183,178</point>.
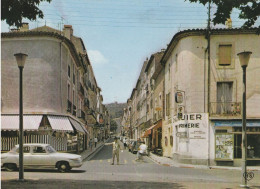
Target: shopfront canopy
<point>60,123</point>
<point>79,127</point>
<point>147,133</point>
<point>236,123</point>
<point>11,122</point>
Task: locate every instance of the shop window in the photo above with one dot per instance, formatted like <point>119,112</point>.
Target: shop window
<point>253,143</point>
<point>166,141</point>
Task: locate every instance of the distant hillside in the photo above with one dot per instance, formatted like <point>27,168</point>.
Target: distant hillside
<point>116,109</point>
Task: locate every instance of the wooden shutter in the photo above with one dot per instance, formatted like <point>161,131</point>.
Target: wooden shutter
<point>225,55</point>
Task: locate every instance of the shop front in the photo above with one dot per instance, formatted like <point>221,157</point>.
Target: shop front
<point>228,142</point>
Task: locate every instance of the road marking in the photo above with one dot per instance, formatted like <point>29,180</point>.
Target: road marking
<point>125,161</point>
<point>109,161</point>
<point>101,161</point>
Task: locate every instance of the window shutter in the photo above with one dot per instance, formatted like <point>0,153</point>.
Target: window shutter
<point>225,55</point>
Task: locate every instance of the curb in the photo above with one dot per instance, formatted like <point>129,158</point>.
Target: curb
<point>199,167</point>
<point>88,157</point>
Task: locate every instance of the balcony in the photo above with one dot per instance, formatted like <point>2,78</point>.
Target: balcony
<point>74,110</point>
<point>225,109</point>
<point>81,89</point>
<point>86,103</point>
<point>81,114</point>
<point>69,104</point>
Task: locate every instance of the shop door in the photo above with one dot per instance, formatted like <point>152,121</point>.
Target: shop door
<point>159,137</point>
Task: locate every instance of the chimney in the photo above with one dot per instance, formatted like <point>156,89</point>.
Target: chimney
<point>229,23</point>
<point>25,27</point>
<point>68,31</point>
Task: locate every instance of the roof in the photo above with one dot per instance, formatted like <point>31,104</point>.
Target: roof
<point>202,32</point>
<point>157,57</point>
<point>54,34</point>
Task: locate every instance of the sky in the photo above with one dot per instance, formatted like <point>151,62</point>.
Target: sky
<point>120,34</point>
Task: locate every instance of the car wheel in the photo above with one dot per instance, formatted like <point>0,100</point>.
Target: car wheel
<point>10,167</point>
<point>63,167</point>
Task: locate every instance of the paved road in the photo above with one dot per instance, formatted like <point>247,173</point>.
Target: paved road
<point>99,173</point>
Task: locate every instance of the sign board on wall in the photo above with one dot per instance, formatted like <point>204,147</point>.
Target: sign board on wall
<point>195,125</point>
<point>224,148</point>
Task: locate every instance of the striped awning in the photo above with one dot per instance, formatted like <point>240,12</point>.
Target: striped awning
<point>60,123</point>
<point>11,122</point>
<point>79,127</point>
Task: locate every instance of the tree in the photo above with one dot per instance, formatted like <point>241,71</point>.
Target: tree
<point>113,125</point>
<point>13,11</point>
<point>249,10</point>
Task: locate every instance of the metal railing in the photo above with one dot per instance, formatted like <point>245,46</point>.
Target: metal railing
<point>69,104</point>
<point>225,108</point>
<point>74,110</point>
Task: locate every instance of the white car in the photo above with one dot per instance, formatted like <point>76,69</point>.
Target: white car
<point>40,156</point>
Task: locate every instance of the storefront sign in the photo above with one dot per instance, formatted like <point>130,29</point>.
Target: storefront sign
<point>224,149</point>
<point>195,125</point>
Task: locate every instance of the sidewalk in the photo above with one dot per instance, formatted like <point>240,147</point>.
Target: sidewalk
<point>89,153</point>
<point>170,162</point>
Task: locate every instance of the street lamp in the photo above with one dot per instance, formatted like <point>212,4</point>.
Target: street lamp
<point>244,59</point>
<point>20,58</point>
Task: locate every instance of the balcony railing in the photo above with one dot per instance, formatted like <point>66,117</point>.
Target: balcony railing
<point>225,108</point>
<point>81,114</point>
<point>81,89</point>
<point>69,106</point>
<point>74,110</point>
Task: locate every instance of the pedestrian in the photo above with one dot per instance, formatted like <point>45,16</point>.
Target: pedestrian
<point>116,149</point>
<point>90,144</point>
<point>124,141</point>
<point>142,150</point>
<point>95,140</point>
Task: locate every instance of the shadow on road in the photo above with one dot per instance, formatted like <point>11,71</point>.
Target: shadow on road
<point>74,184</point>
<point>48,171</point>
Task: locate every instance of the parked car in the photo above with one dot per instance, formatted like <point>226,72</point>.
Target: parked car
<point>133,147</point>
<point>40,156</point>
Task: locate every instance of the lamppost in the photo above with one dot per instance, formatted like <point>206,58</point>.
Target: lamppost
<point>20,58</point>
<point>244,59</point>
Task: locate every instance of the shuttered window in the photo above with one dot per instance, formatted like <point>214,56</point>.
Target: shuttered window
<point>168,103</point>
<point>225,55</point>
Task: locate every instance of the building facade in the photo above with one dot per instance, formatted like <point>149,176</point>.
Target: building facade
<point>59,89</point>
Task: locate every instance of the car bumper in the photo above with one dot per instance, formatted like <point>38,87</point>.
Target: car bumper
<point>76,163</point>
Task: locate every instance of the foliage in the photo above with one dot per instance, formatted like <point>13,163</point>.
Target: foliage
<point>13,11</point>
<point>249,10</point>
<point>113,125</point>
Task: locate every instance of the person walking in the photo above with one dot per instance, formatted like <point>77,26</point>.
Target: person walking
<point>90,144</point>
<point>124,141</point>
<point>95,140</point>
<point>142,150</point>
<point>116,149</point>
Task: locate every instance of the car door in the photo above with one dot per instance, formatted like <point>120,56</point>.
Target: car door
<point>40,158</point>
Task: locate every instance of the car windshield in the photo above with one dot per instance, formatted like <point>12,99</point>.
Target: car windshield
<point>50,149</point>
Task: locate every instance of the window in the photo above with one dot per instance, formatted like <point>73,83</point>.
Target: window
<point>38,149</point>
<point>151,104</point>
<point>166,141</point>
<point>69,70</point>
<point>224,97</point>
<point>68,91</point>
<point>73,97</point>
<point>225,55</point>
<point>26,149</point>
<point>171,140</point>
<point>168,104</point>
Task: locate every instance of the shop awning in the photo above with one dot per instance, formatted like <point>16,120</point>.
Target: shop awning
<point>236,123</point>
<point>156,126</point>
<point>60,123</point>
<point>78,126</point>
<point>146,133</point>
<point>11,122</point>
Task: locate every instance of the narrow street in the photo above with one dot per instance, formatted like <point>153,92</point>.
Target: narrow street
<point>99,173</point>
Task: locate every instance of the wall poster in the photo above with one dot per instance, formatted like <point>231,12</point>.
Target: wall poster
<point>224,146</point>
